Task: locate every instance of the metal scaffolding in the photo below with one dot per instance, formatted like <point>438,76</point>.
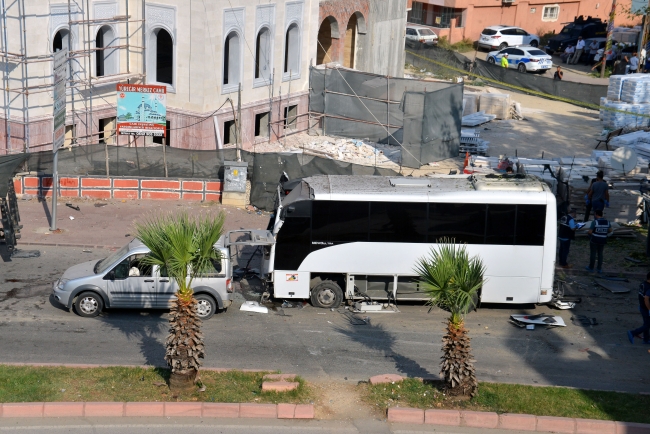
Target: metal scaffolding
<point>82,81</point>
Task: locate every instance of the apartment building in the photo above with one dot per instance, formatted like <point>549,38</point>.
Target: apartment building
<point>458,19</point>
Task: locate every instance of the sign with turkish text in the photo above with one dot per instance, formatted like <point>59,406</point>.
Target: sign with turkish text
<point>60,77</point>
<point>141,110</point>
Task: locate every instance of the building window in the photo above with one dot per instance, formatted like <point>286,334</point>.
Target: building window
<point>160,139</point>
<point>415,15</point>
<point>229,132</point>
<point>329,29</point>
<point>232,62</point>
<point>70,138</point>
<point>262,124</point>
<point>105,57</point>
<point>263,55</point>
<point>550,13</point>
<point>164,56</point>
<point>60,40</point>
<point>291,117</point>
<point>107,131</point>
<point>292,52</point>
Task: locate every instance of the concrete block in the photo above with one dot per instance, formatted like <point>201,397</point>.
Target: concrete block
<point>144,409</point>
<point>556,424</point>
<point>386,378</point>
<point>220,410</point>
<point>523,422</point>
<point>304,411</point>
<point>23,409</point>
<point>104,409</point>
<point>279,386</point>
<point>406,415</point>
<point>233,198</point>
<point>258,410</point>
<point>591,426</point>
<point>183,409</point>
<point>632,428</point>
<point>479,419</point>
<point>286,411</point>
<point>63,409</point>
<point>442,417</point>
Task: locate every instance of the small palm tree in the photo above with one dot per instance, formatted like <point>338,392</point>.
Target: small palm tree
<point>452,280</point>
<point>183,246</point>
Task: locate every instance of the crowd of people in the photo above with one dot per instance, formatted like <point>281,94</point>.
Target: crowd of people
<point>597,200</point>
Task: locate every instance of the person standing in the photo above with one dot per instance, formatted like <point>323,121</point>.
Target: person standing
<point>567,233</point>
<point>504,60</point>
<point>633,62</point>
<point>598,231</point>
<point>599,193</point>
<point>558,73</point>
<point>644,308</point>
<point>580,48</point>
<point>588,202</point>
<point>593,50</point>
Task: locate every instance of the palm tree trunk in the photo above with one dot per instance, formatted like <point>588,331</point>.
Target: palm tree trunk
<point>457,367</point>
<point>185,349</point>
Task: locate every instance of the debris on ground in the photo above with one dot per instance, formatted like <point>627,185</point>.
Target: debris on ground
<point>539,319</point>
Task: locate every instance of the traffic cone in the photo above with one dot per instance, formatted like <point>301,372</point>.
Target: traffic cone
<point>466,162</point>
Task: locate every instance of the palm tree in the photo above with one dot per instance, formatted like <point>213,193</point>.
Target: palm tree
<point>452,280</point>
<point>183,246</point>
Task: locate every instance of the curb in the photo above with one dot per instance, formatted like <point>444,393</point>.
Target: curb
<point>521,422</point>
<point>155,409</point>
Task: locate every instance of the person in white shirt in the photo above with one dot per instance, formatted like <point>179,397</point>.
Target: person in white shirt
<point>580,48</point>
<point>593,50</point>
<point>568,52</point>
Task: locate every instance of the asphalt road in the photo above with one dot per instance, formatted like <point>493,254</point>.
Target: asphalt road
<point>324,344</point>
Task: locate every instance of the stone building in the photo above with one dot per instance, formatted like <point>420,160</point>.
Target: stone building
<point>200,50</point>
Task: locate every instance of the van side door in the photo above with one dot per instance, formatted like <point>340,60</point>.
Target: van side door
<point>131,284</point>
<point>166,288</point>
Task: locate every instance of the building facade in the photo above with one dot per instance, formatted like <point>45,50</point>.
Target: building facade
<point>458,19</point>
<point>201,51</point>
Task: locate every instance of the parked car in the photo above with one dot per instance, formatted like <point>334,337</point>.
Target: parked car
<point>587,28</point>
<point>420,35</point>
<point>523,59</point>
<point>506,36</point>
<point>123,280</point>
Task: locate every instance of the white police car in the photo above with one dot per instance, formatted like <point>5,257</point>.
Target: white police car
<point>523,58</point>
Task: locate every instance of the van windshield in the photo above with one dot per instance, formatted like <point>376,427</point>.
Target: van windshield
<point>103,264</point>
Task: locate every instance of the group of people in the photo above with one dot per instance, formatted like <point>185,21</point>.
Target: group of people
<point>597,199</point>
<point>572,54</point>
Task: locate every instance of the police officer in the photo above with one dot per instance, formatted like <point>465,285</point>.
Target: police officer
<point>644,308</point>
<point>598,231</point>
<point>567,233</point>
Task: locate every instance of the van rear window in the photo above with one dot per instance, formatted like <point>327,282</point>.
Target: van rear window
<point>489,32</point>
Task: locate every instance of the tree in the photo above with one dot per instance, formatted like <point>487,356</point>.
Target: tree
<point>183,246</point>
<point>452,280</point>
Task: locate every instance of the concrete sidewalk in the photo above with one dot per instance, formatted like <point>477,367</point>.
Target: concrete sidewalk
<point>109,223</point>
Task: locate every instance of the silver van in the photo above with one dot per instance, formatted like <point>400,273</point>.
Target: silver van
<point>123,281</point>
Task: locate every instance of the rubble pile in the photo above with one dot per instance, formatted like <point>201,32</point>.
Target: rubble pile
<point>470,141</point>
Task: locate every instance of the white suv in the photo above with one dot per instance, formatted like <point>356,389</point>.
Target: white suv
<point>506,36</point>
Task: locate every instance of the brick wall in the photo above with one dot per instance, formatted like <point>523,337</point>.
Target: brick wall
<point>121,188</point>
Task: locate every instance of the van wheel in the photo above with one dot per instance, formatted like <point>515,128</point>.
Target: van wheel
<point>327,295</point>
<point>89,304</point>
<point>205,306</point>
<point>502,46</point>
<point>534,43</point>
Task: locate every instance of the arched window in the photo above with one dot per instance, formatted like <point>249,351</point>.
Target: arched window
<point>350,48</point>
<point>164,57</point>
<point>292,50</point>
<point>263,54</point>
<point>60,40</point>
<point>105,57</point>
<point>329,29</point>
<point>232,60</point>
